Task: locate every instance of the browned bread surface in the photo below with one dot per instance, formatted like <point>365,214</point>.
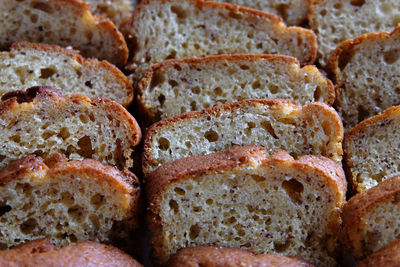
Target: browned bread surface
<point>371,149</point>
<point>335,21</point>
<point>67,201</point>
<point>275,124</point>
<point>244,198</point>
<point>366,79</point>
<point>388,256</point>
<point>180,85</point>
<point>32,64</point>
<point>167,29</point>
<point>65,23</point>
<point>42,121</point>
<point>42,253</point>
<point>230,257</point>
<point>371,218</point>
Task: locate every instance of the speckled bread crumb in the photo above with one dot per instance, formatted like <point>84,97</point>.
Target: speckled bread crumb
<point>244,198</point>
<point>42,253</point>
<point>275,124</point>
<point>177,29</point>
<point>230,257</point>
<point>41,121</point>
<point>180,85</point>
<point>67,201</point>
<point>32,64</point>
<point>65,23</point>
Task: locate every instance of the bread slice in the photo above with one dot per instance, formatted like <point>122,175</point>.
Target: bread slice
<point>365,70</point>
<point>230,257</point>
<point>41,121</point>
<point>244,198</point>
<point>176,86</point>
<point>371,218</point>
<point>42,253</point>
<point>293,12</point>
<point>389,255</point>
<point>182,28</point>
<point>275,124</point>
<point>335,21</point>
<point>65,23</point>
<point>65,201</point>
<point>32,64</point>
<point>371,149</point>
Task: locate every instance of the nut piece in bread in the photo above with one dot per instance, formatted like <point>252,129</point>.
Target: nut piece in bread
<point>44,254</point>
<point>41,121</point>
<point>245,198</point>
<point>32,64</point>
<point>293,12</point>
<point>65,23</point>
<point>366,75</point>
<point>275,124</point>
<point>371,218</point>
<point>389,255</point>
<point>181,85</point>
<point>230,257</point>
<point>335,21</point>
<point>167,29</point>
<point>67,201</point>
<point>371,150</point>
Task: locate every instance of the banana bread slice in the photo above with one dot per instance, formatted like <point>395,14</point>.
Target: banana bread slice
<point>183,28</point>
<point>67,201</point>
<point>65,23</point>
<point>371,150</point>
<point>230,257</point>
<point>245,198</point>
<point>366,75</point>
<point>41,121</point>
<point>335,21</point>
<point>371,218</point>
<point>42,253</point>
<point>181,85</point>
<point>275,124</point>
<point>32,64</point>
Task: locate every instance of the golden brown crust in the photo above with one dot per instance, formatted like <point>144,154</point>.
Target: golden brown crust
<point>388,256</point>
<point>43,253</point>
<point>230,257</point>
<point>357,207</point>
<point>91,64</point>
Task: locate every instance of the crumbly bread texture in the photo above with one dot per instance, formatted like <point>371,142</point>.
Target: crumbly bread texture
<point>244,198</point>
<point>230,257</point>
<point>366,75</point>
<point>335,21</point>
<point>42,253</point>
<point>275,124</point>
<point>41,121</point>
<point>118,11</point>
<point>167,29</point>
<point>181,85</point>
<point>65,23</point>
<point>65,201</point>
<point>32,64</point>
<point>293,12</point>
<point>371,218</point>
<point>389,255</point>
<point>371,150</point>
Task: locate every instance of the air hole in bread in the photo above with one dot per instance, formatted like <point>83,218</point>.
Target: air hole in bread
<point>173,83</point>
<point>64,133</point>
<point>193,105</point>
<point>28,226</point>
<point>163,143</point>
<point>180,191</point>
<point>161,99</point>
<point>281,246</point>
<point>156,80</point>
<point>76,212</point>
<point>85,147</point>
<point>294,189</point>
<point>15,138</point>
<point>67,198</point>
<point>173,205</point>
<point>34,18</point>
<point>218,91</point>
<point>344,58</point>
<point>46,73</point>
<point>194,231</point>
<point>179,11</point>
<point>97,200</point>
<point>42,6</point>
<point>391,56</point>
<point>282,10</point>
<point>196,90</point>
<point>89,84</point>
<point>379,176</point>
<point>172,54</point>
<point>47,134</point>
<point>211,135</point>
<point>273,88</point>
<point>266,125</point>
<point>197,209</point>
<point>4,209</point>
<point>258,178</point>
<point>357,2</point>
<point>256,85</point>
<point>363,113</point>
